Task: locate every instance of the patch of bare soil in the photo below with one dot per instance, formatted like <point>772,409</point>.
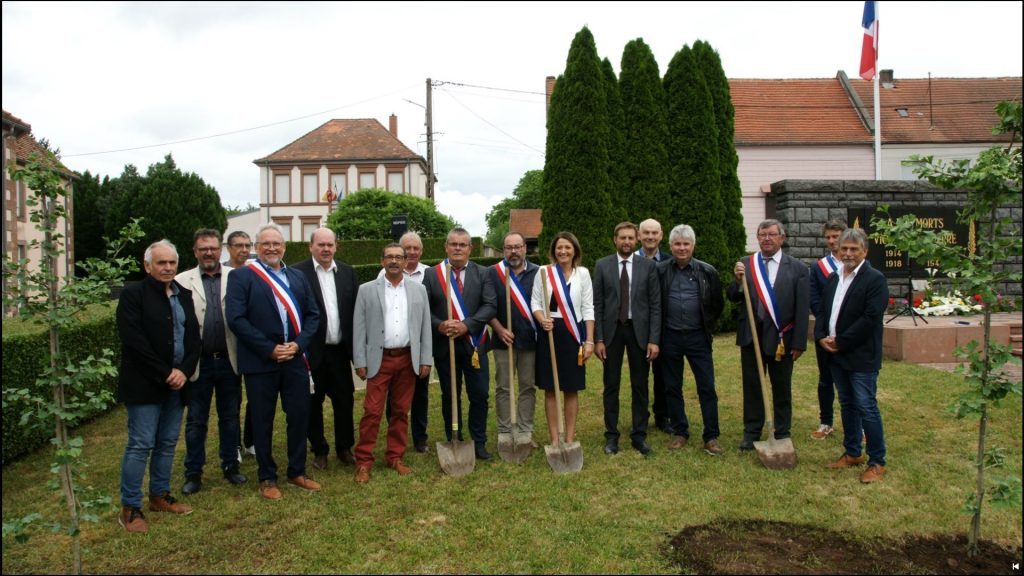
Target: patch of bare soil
<point>763,547</point>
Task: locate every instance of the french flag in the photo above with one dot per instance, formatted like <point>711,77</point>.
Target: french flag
<point>869,52</point>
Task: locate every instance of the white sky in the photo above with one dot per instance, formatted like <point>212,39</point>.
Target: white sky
<point>94,77</point>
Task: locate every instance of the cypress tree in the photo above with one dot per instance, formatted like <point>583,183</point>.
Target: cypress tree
<point>732,197</point>
<point>577,187</point>
<point>693,155</point>
<point>646,134</point>
<point>617,138</point>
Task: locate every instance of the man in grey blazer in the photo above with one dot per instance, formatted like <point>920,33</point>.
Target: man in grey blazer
<point>627,305</point>
<point>391,348</point>
<point>781,328</point>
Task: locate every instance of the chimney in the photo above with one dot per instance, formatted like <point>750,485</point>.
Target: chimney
<point>393,125</point>
<point>549,87</point>
<point>885,78</point>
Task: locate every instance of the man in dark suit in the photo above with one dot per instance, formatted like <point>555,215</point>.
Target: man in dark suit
<point>650,248</point>
<point>779,296</point>
<point>330,352</point>
<point>273,313</point>
<point>159,333</point>
<point>627,306</point>
<point>470,314</point>
<point>818,275</point>
<point>849,328</point>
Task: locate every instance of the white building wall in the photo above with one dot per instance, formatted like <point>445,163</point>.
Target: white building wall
<point>893,156</point>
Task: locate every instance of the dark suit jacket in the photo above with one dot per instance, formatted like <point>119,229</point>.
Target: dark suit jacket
<point>251,310</point>
<point>818,281</point>
<point>479,297</point>
<point>526,336</point>
<point>791,293</point>
<point>644,299</point>
<point>346,287</point>
<point>859,326</point>
<point>146,327</point>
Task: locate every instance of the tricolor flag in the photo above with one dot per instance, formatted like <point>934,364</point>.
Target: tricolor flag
<point>869,52</point>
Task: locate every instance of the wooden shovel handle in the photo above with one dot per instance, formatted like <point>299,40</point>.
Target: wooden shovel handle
<point>513,400</point>
<point>769,417</point>
<point>554,361</point>
<point>451,353</point>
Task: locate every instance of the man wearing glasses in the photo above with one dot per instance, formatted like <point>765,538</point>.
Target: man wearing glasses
<point>216,372</point>
<point>273,313</point>
<point>780,298</point>
<point>522,336</point>
<point>239,248</point>
<point>473,306</point>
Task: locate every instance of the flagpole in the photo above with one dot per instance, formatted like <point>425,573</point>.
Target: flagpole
<point>878,129</point>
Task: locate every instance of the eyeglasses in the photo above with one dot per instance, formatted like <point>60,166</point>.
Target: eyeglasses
<point>271,244</point>
<point>209,250</point>
<point>394,258</point>
<point>246,246</point>
<point>459,245</point>
<point>515,248</point>
<point>765,235</point>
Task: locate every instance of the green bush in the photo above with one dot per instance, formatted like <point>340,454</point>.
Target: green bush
<point>25,348</point>
<point>357,252</point>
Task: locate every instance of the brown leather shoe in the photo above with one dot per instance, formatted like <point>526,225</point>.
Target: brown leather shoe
<point>712,447</point>
<point>363,473</point>
<point>305,483</point>
<point>847,461</point>
<point>400,467</point>
<point>320,462</point>
<point>269,490</point>
<point>132,520</point>
<point>347,458</point>
<point>874,473</point>
<point>166,503</point>
<point>677,442</point>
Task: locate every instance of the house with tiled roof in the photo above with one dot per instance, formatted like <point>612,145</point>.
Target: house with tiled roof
<point>301,182</point>
<point>19,231</point>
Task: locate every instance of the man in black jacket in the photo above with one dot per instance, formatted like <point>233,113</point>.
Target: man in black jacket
<point>849,328</point>
<point>691,300</point>
<point>160,344</point>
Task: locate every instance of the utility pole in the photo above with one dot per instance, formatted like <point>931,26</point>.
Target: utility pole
<point>430,145</point>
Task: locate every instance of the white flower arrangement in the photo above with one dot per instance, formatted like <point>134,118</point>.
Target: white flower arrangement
<point>951,304</point>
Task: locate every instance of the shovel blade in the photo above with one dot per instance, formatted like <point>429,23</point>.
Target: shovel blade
<point>513,448</point>
<point>776,454</point>
<point>564,458</point>
<point>457,459</point>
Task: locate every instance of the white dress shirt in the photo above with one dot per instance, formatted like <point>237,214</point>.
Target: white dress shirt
<point>396,315</point>
<point>837,301</point>
<point>772,265</point>
<point>327,288</point>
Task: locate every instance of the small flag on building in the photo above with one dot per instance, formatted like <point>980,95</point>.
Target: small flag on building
<point>869,51</point>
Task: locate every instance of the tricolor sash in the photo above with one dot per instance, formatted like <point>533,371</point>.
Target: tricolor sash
<point>766,294</point>
<point>287,299</point>
<point>560,293</point>
<point>827,265</point>
<point>520,297</point>
<point>459,309</point>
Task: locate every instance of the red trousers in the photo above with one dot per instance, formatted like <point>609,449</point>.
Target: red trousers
<point>398,376</point>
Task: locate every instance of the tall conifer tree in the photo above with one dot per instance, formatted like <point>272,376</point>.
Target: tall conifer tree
<point>646,134</point>
<point>576,183</point>
<point>616,138</point>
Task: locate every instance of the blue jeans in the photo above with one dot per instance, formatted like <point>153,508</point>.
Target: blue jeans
<point>215,376</point>
<point>153,431</point>
<point>859,410</point>
<point>676,348</point>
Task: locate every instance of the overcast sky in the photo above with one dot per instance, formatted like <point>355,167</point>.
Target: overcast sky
<point>220,84</point>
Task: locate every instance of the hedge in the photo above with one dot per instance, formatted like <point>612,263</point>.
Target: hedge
<point>25,349</point>
<point>356,252</point>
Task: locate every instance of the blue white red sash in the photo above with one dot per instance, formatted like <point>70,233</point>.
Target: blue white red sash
<point>520,297</point>
<point>766,294</point>
<point>287,299</point>
<point>458,304</point>
<point>560,292</point>
<point>827,265</point>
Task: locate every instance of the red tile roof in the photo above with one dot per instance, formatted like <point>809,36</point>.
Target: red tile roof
<point>344,141</point>
<point>795,112</point>
<point>961,110</point>
<point>526,221</point>
<point>16,124</point>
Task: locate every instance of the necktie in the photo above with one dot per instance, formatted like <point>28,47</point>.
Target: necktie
<point>624,294</point>
<point>768,268</point>
<point>458,277</point>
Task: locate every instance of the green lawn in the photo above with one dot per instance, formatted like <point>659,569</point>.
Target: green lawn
<point>613,517</point>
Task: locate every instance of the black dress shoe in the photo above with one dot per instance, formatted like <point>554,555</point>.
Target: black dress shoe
<point>234,476</point>
<point>421,446</point>
<point>192,485</point>
<point>482,453</point>
<point>347,458</point>
<point>611,447</point>
<point>642,447</point>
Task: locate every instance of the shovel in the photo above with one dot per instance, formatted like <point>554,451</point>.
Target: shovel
<point>775,454</point>
<point>510,447</point>
<point>562,457</point>
<point>457,458</point>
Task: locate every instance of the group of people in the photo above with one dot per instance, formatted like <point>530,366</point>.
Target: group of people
<point>296,332</point>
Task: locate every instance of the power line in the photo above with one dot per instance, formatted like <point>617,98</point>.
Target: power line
<point>443,82</point>
<point>239,131</point>
<point>491,124</point>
